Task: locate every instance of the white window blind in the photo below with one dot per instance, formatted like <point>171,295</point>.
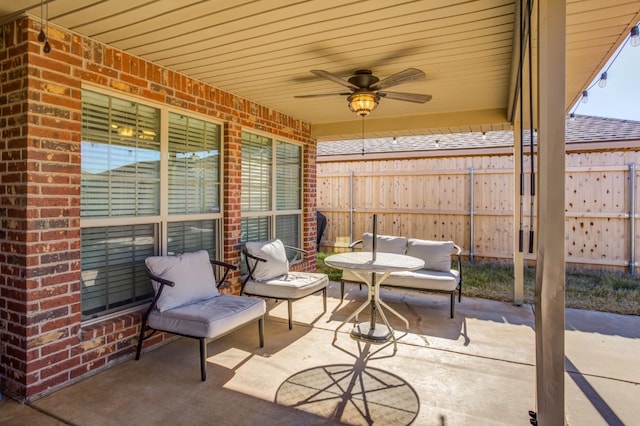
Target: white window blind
<point>256,173</point>
<point>113,273</point>
<point>288,176</point>
<point>184,237</point>
<point>120,157</point>
<point>287,227</point>
<point>194,165</point>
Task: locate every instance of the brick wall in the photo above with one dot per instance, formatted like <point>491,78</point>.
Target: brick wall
<point>43,343</point>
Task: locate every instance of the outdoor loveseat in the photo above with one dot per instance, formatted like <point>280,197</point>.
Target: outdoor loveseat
<point>436,275</point>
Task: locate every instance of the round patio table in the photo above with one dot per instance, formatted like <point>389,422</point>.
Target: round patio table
<point>373,268</point>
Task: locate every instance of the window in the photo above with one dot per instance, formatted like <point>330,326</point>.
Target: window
<point>271,189</point>
<point>134,203</point>
<point>194,165</point>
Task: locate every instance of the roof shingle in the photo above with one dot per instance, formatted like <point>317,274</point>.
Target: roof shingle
<point>583,128</point>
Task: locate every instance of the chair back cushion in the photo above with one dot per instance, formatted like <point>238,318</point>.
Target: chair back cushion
<point>385,243</point>
<point>436,254</point>
<point>275,255</point>
<point>192,274</point>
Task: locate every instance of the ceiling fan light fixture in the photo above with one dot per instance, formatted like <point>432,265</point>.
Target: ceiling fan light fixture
<point>362,103</point>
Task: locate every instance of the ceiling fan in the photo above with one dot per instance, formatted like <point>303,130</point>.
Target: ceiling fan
<point>366,89</point>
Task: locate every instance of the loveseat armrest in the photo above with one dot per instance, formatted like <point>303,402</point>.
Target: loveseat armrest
<point>458,255</point>
<point>354,244</point>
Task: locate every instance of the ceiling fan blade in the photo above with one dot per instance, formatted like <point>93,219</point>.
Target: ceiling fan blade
<point>409,97</point>
<point>334,78</point>
<point>410,74</point>
<point>319,95</point>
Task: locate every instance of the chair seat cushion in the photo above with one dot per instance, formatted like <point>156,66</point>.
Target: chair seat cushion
<point>293,285</point>
<point>425,280</point>
<point>209,318</point>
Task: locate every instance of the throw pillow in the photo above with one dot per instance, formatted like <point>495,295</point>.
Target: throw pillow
<point>436,254</point>
<point>192,274</point>
<point>385,243</point>
<point>275,255</point>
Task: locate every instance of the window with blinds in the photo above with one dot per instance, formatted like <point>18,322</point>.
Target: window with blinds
<point>185,237</point>
<point>131,193</point>
<point>113,273</point>
<point>194,165</point>
<point>271,190</point>
<point>120,157</point>
<point>288,176</point>
<point>257,154</point>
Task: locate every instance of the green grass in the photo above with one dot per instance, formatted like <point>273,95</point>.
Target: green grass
<point>334,274</point>
<point>598,291</point>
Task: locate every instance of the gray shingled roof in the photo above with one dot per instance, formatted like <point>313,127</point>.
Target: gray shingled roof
<point>583,128</point>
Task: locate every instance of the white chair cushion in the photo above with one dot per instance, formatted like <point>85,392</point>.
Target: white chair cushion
<point>385,243</point>
<point>275,255</point>
<point>192,274</point>
<point>293,285</point>
<point>436,254</point>
<point>424,280</point>
<point>209,318</point>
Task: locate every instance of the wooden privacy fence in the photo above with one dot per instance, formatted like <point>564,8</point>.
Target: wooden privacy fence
<point>470,199</point>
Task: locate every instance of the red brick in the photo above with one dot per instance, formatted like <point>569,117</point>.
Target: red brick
<point>40,256</point>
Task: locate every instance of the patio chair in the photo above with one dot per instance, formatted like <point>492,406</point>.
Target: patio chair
<point>269,275</point>
<point>187,302</point>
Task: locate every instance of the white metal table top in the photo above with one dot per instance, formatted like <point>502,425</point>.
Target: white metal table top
<point>384,262</point>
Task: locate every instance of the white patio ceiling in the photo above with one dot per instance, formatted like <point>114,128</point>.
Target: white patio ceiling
<point>263,51</point>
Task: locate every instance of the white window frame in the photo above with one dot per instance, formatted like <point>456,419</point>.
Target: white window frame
<point>162,220</point>
<point>273,212</point>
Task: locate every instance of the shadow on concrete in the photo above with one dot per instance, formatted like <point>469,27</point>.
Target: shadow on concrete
<point>352,394</point>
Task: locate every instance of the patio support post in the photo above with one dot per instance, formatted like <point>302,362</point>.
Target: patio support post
<point>514,115</point>
<point>518,255</point>
<point>632,219</point>
<point>350,207</point>
<point>471,215</point>
<point>550,267</point>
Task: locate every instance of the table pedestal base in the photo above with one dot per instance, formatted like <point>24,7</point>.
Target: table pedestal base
<point>379,334</point>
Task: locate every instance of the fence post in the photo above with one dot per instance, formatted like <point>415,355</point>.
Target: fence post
<point>471,214</point>
<point>632,219</point>
<point>350,207</point>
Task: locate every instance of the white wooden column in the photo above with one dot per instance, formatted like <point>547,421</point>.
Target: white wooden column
<point>550,267</point>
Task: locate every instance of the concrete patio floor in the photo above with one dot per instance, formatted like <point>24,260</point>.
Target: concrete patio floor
<point>478,368</point>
